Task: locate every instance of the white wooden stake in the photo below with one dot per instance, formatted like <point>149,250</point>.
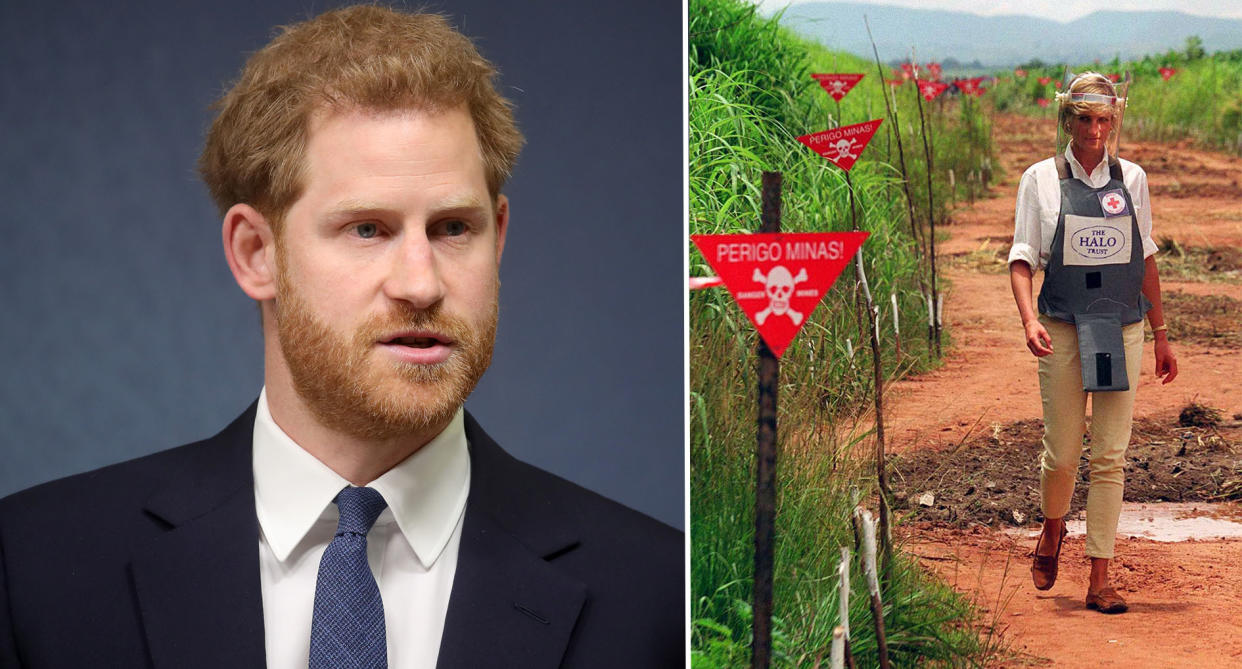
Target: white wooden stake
<point>873,585</point>
<point>939,309</point>
<point>843,570</point>
<point>838,648</point>
<point>869,570</point>
<point>896,323</point>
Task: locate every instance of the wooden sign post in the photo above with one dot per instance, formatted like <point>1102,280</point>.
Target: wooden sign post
<point>777,280</point>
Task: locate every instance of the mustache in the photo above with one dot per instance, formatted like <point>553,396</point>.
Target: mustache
<point>404,317</point>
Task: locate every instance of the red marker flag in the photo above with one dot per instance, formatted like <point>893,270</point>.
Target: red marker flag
<point>1114,78</point>
<point>908,70</point>
<point>779,278</point>
<point>1043,81</point>
<point>1019,73</point>
<point>934,70</point>
<point>1057,85</point>
<point>1042,102</point>
<point>894,82</point>
<point>1167,72</point>
<point>842,145</point>
<point>837,85</point>
<point>967,86</point>
<point>931,89</point>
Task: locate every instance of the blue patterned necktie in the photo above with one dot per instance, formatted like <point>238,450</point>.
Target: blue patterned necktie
<point>348,626</point>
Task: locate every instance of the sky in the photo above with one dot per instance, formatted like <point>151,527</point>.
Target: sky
<point>1057,10</point>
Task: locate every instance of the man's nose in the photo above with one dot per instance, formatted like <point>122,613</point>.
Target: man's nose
<point>414,275</point>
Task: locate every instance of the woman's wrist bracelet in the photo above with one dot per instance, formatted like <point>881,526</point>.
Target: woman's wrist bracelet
<point>1159,328</point>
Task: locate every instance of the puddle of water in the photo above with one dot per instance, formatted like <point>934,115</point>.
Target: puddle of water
<point>1170,522</point>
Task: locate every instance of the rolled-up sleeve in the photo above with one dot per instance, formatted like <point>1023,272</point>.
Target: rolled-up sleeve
<point>1026,221</point>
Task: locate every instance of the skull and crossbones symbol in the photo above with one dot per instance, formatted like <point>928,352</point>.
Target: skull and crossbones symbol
<point>779,287</point>
<point>844,149</point>
<point>837,85</point>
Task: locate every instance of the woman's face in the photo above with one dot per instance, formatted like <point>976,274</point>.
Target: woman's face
<point>1090,131</point>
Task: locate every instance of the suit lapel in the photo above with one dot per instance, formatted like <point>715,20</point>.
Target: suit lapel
<point>509,606</point>
<point>197,584</point>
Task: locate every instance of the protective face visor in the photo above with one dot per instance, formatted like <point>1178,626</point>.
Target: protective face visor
<point>1071,105</point>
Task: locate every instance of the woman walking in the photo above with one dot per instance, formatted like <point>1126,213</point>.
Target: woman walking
<point>1084,217</point>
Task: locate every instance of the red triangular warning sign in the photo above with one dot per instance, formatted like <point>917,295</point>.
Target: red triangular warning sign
<point>842,145</point>
<point>837,85</point>
<point>779,278</point>
<point>931,89</point>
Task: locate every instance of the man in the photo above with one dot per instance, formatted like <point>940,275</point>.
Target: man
<point>354,515</point>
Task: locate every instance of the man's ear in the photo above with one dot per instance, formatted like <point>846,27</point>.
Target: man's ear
<point>250,248</point>
<point>502,225</point>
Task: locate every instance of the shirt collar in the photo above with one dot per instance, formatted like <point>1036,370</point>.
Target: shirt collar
<point>426,492</point>
<point>1098,177</point>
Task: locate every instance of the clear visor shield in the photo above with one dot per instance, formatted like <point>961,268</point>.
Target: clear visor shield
<point>1087,119</point>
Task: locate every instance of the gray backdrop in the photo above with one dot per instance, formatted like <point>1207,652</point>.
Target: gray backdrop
<point>124,332</point>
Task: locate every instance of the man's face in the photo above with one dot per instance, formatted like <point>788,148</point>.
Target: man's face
<point>387,271</point>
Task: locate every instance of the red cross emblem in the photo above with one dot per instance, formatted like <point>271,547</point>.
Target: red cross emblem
<point>1113,204</point>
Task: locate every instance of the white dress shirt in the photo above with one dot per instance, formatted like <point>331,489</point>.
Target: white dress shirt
<point>1039,204</point>
<point>412,548</point>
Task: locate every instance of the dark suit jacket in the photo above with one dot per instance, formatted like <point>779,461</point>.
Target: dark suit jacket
<point>155,563</point>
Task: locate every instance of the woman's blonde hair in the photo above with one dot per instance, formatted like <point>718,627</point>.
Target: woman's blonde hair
<point>365,56</point>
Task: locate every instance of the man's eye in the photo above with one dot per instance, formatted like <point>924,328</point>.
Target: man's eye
<point>366,230</point>
<point>455,228</point>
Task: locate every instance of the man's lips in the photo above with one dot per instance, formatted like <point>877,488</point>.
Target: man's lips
<point>420,347</point>
<point>418,339</point>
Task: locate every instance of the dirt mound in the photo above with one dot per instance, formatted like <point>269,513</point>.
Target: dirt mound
<point>1197,415</point>
<point>1211,320</point>
<point>1199,263</point>
<point>994,479</point>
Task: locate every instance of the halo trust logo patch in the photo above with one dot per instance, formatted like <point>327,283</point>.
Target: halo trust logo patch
<point>1098,242</point>
<point>1094,240</point>
<point>1113,202</point>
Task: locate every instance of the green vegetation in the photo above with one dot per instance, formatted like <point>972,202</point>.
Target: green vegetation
<point>750,97</point>
<point>1202,101</point>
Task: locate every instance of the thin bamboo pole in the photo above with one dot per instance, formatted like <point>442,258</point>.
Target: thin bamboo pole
<point>931,200</point>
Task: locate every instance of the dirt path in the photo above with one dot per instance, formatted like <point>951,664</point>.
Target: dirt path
<point>1186,597</point>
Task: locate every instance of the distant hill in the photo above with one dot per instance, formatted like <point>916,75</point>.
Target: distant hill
<point>1004,41</point>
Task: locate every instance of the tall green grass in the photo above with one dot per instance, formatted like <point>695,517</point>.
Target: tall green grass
<point>1201,102</point>
<point>750,97</point>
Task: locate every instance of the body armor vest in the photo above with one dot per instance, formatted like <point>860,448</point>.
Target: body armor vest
<point>1094,276</point>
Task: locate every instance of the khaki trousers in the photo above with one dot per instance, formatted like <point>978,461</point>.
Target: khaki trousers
<point>1065,408</point>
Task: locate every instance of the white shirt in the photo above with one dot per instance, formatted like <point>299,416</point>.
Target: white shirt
<point>1039,204</point>
<point>412,548</point>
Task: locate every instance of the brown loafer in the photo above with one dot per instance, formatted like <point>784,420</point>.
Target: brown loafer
<point>1044,567</point>
<point>1106,601</point>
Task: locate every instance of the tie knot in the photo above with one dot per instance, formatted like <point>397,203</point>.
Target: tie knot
<point>359,509</point>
